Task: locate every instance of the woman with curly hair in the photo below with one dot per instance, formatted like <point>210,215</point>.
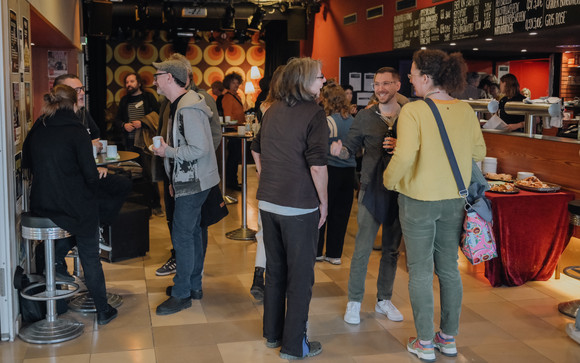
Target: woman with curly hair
<point>431,210</point>
<point>340,176</point>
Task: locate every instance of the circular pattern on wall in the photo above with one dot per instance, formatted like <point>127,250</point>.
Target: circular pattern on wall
<point>213,55</point>
<point>194,54</point>
<point>119,94</point>
<point>110,98</point>
<point>124,53</point>
<point>197,76</point>
<point>235,55</point>
<point>108,53</point>
<point>146,74</point>
<point>152,91</point>
<point>213,74</point>
<point>256,55</point>
<point>109,73</point>
<point>166,51</point>
<point>239,71</point>
<point>147,53</point>
<point>120,74</point>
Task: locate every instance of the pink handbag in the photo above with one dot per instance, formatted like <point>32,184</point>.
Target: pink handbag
<point>477,241</point>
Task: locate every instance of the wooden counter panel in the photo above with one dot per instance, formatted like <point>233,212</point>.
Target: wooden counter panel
<point>551,161</point>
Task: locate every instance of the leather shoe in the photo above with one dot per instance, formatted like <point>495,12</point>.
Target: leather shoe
<point>195,294</point>
<point>104,317</point>
<point>236,187</point>
<point>173,305</point>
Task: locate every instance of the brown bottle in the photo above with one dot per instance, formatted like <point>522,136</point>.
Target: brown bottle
<point>390,133</point>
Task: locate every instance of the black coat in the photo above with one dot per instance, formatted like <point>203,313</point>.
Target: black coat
<point>59,154</point>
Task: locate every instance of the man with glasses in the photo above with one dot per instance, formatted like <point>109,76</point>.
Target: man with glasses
<point>376,206</point>
<point>138,118</point>
<point>190,164</point>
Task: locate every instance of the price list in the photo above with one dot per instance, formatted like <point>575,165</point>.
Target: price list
<point>467,19</point>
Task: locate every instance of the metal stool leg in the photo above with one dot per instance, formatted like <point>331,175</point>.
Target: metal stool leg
<point>51,329</point>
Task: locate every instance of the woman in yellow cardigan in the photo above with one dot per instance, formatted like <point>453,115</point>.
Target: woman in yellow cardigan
<point>430,208</point>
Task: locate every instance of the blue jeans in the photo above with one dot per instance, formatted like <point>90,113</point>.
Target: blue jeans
<point>368,228</point>
<point>188,245</point>
<point>432,230</point>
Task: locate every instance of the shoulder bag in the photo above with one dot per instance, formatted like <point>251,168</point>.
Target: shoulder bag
<point>477,240</point>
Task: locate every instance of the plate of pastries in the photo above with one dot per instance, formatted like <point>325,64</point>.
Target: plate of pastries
<point>534,184</point>
<point>499,177</point>
<point>504,188</point>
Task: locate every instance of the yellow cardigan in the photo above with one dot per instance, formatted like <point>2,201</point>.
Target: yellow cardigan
<point>419,167</point>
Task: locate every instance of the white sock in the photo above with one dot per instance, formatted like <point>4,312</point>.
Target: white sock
<point>445,336</point>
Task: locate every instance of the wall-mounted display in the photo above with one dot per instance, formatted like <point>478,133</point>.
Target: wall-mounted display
<point>14,51</point>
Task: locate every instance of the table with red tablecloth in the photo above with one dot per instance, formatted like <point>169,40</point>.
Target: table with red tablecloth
<point>531,233</point>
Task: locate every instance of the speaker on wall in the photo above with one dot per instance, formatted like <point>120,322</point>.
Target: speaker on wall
<point>296,24</point>
<point>100,17</point>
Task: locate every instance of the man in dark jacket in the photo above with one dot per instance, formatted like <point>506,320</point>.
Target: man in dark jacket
<point>138,118</point>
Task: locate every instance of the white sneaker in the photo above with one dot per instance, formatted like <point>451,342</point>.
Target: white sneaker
<point>387,308</point>
<point>352,314</point>
<point>333,260</point>
<point>319,258</point>
<point>570,330</point>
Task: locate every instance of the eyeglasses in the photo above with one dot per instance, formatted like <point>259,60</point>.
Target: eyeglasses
<point>320,77</point>
<point>80,89</point>
<point>159,74</point>
<point>383,84</point>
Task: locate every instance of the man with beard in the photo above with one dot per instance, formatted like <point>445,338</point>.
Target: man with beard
<point>138,118</point>
<point>374,129</point>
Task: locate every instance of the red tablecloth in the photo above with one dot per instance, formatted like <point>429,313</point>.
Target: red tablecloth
<point>531,231</point>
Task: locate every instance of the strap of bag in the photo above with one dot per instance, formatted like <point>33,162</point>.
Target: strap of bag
<point>448,150</point>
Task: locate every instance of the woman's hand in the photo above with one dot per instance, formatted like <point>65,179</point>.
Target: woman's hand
<point>335,148</point>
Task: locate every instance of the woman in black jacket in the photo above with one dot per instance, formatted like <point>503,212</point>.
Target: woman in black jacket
<point>64,175</point>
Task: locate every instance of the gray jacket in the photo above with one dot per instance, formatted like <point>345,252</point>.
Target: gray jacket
<point>195,166</point>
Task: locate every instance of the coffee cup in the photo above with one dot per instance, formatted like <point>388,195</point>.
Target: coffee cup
<point>104,143</point>
<point>227,118</point>
<point>112,151</point>
<point>94,151</point>
<point>157,141</point>
<point>221,119</point>
<point>241,130</point>
<point>524,174</point>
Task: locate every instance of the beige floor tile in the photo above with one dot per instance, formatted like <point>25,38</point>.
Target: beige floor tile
<point>359,343</point>
<point>230,311</point>
<point>326,289</point>
<point>122,339</point>
<point>524,329</point>
<point>328,324</point>
<point>235,331</point>
<point>80,345</point>
<point>131,356</point>
<point>328,305</point>
<point>77,358</point>
<point>518,293</point>
<point>509,352</point>
<point>498,311</point>
<point>134,312</point>
<point>249,352</point>
<point>182,335</point>
<point>126,287</point>
<point>125,274</point>
<point>560,350</point>
<point>199,354</point>
<point>13,351</point>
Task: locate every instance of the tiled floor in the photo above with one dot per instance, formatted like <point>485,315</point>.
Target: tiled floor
<point>517,324</point>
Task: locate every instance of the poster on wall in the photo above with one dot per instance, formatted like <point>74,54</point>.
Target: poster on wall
<point>28,106</point>
<point>369,80</point>
<point>16,113</point>
<point>14,51</point>
<point>57,63</point>
<point>354,79</point>
<point>18,175</point>
<point>26,45</point>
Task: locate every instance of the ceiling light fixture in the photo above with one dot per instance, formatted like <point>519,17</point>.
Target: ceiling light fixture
<point>524,50</point>
<point>488,39</point>
<point>475,49</point>
<point>257,18</point>
<point>229,20</point>
<point>533,33</point>
<point>452,44</point>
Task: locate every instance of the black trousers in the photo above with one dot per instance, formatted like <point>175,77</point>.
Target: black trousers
<point>340,197</point>
<point>88,247</point>
<point>290,243</point>
<point>233,159</point>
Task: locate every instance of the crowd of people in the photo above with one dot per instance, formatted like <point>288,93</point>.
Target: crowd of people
<point>305,157</point>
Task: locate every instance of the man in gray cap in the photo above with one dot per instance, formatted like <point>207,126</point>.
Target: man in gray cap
<point>191,166</point>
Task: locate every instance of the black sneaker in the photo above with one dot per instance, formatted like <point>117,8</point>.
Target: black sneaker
<point>173,305</point>
<point>168,267</point>
<point>195,294</point>
<point>61,273</point>
<point>315,348</point>
<point>104,317</point>
<point>257,289</point>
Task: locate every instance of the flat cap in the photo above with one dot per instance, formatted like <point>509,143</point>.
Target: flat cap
<point>177,69</point>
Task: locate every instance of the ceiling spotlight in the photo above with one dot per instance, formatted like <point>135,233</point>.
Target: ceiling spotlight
<point>423,48</point>
<point>452,44</point>
<point>475,48</point>
<point>488,39</point>
<point>229,20</point>
<point>533,33</point>
<point>524,50</point>
<point>256,22</point>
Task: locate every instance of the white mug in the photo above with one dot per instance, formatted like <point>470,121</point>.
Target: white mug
<point>104,143</point>
<point>228,118</point>
<point>241,130</point>
<point>221,119</point>
<point>112,151</point>
<point>157,141</point>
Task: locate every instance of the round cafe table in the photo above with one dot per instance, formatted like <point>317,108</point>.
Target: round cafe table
<point>243,233</point>
<point>123,156</point>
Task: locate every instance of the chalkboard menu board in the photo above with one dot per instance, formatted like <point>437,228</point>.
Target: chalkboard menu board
<point>466,19</point>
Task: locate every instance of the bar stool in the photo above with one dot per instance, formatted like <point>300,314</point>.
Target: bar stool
<point>570,308</point>
<point>52,329</point>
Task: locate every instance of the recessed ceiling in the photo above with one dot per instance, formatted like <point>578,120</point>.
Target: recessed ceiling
<point>45,35</point>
